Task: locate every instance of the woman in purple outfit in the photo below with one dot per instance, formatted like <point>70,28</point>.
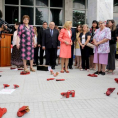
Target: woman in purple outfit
<point>26,42</point>
<point>101,42</point>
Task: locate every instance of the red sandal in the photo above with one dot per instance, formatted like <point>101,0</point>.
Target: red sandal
<point>16,86</point>
<point>6,85</point>
<point>109,91</point>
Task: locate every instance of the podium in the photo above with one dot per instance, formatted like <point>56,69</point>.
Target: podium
<point>5,50</point>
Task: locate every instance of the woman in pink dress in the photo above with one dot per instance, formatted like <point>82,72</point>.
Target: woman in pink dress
<point>101,41</point>
<point>65,45</point>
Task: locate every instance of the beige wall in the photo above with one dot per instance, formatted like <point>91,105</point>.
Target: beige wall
<point>68,10</point>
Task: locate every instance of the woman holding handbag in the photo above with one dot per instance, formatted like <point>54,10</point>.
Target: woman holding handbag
<point>84,38</point>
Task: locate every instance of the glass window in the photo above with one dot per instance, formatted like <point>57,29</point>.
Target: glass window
<point>11,14</point>
<point>42,3</point>
<point>115,5</point>
<point>56,3</point>
<point>115,17</point>
<point>41,15</point>
<point>27,2</point>
<point>78,18</point>
<point>56,16</point>
<point>15,2</point>
<point>79,4</point>
<point>28,11</point>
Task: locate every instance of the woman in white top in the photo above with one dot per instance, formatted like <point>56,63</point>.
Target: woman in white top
<point>36,48</point>
<point>84,38</point>
<point>16,60</point>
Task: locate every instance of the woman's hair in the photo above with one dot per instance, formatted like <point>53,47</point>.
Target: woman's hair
<point>36,30</point>
<point>25,16</point>
<point>17,23</point>
<point>67,24</point>
<point>95,21</point>
<point>113,26</point>
<point>80,27</point>
<point>86,26</point>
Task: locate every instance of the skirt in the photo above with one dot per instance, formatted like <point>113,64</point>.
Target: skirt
<point>77,52</point>
<point>103,58</point>
<point>16,57</point>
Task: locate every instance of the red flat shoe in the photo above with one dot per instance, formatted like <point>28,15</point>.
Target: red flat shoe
<point>68,94</point>
<point>16,86</point>
<point>63,93</point>
<point>20,69</point>
<point>50,79</point>
<point>62,71</point>
<point>60,79</point>
<point>24,73</point>
<point>2,111</point>
<point>23,110</point>
<point>89,74</point>
<point>12,68</point>
<point>67,71</point>
<point>6,85</point>
<point>94,75</point>
<point>109,91</point>
<point>116,80</point>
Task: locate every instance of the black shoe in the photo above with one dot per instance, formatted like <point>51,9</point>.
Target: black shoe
<point>53,68</point>
<point>70,67</point>
<point>97,72</point>
<point>103,73</point>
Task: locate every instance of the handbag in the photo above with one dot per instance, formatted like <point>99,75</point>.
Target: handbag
<point>90,45</point>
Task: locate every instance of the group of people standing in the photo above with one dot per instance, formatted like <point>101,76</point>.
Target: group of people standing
<point>27,41</point>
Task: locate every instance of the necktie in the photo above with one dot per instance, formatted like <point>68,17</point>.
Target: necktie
<point>51,32</point>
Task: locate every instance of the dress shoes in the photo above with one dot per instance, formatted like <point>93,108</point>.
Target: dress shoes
<point>70,67</point>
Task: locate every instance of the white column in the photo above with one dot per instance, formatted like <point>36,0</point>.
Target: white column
<point>68,10</point>
<point>99,10</point>
<point>1,4</point>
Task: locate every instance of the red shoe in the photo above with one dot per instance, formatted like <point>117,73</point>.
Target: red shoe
<point>12,68</point>
<point>20,69</point>
<point>67,71</point>
<point>16,86</point>
<point>72,92</point>
<point>116,79</point>
<point>51,71</point>
<point>62,71</point>
<point>89,74</point>
<point>24,73</point>
<point>93,75</point>
<point>60,79</point>
<point>50,79</point>
<point>6,85</point>
<point>63,93</point>
<point>2,111</point>
<point>23,110</point>
<point>109,91</point>
<point>68,94</point>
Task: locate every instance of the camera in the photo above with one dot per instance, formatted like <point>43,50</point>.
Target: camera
<point>4,24</point>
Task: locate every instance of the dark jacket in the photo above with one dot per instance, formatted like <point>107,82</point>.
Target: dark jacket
<point>40,35</point>
<point>86,35</point>
<point>114,34</point>
<point>49,41</point>
<point>73,34</point>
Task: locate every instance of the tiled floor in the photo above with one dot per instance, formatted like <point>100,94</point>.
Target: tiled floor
<point>44,99</point>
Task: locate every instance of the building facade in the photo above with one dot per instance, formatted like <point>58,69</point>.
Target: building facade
<point>79,11</point>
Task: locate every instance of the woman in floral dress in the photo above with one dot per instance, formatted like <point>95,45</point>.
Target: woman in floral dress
<point>101,41</point>
<point>26,42</point>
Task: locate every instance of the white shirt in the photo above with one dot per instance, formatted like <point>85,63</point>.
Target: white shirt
<point>69,33</point>
<point>15,38</point>
<point>83,39</point>
<point>35,39</point>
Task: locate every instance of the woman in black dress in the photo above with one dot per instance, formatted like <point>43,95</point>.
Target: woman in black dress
<point>112,42</point>
<point>92,31</point>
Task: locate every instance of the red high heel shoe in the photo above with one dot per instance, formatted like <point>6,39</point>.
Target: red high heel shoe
<point>2,111</point>
<point>16,86</point>
<point>116,80</point>
<point>50,79</point>
<point>6,85</point>
<point>109,91</point>
<point>60,79</point>
<point>23,110</point>
<point>72,92</point>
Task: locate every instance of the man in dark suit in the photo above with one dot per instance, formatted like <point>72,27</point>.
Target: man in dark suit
<point>72,47</point>
<point>39,40</point>
<point>50,44</point>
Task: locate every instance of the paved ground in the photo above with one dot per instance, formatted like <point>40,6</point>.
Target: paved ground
<point>44,99</point>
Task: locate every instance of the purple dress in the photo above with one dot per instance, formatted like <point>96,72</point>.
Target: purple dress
<point>102,49</point>
<point>26,42</point>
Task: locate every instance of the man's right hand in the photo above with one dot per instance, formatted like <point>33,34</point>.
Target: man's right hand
<point>39,45</point>
<point>43,48</point>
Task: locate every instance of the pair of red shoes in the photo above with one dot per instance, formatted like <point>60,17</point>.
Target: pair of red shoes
<point>23,110</point>
<point>109,91</point>
<point>68,93</point>
<point>92,75</point>
<point>56,79</point>
<point>6,85</point>
<point>2,111</point>
<point>116,80</point>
